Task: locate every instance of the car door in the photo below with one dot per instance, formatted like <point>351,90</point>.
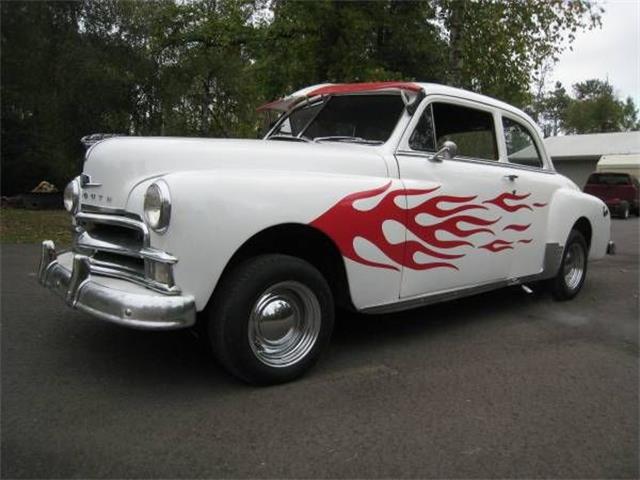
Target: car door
<point>534,177</point>
<point>456,208</point>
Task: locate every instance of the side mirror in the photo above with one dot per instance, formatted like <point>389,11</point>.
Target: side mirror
<point>448,151</point>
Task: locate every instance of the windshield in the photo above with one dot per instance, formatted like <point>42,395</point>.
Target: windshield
<point>353,118</point>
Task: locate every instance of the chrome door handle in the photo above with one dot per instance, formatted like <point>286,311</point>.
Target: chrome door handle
<point>511,177</point>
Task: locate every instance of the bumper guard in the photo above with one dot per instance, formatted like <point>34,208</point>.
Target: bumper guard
<point>136,307</point>
<point>611,248</point>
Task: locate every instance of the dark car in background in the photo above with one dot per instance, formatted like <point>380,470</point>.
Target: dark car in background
<point>620,191</point>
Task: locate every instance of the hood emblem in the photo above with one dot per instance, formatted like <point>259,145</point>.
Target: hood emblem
<point>85,181</point>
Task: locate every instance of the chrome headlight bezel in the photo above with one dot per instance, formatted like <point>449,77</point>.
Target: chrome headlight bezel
<point>71,196</point>
<point>157,206</point>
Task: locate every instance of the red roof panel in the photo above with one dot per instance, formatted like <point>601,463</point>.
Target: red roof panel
<point>363,87</point>
<point>286,103</point>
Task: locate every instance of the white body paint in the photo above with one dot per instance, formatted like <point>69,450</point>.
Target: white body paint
<point>225,191</point>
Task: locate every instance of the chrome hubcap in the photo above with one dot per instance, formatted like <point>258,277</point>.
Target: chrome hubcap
<point>574,266</point>
<point>284,324</point>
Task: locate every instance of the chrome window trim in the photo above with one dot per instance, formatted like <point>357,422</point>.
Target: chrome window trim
<point>479,161</point>
<point>542,153</point>
<point>530,169</point>
<point>457,158</point>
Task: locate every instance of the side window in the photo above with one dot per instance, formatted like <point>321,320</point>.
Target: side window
<point>472,130</point>
<point>521,148</point>
<point>423,137</point>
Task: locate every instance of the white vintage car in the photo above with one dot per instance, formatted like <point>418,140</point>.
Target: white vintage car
<point>377,197</point>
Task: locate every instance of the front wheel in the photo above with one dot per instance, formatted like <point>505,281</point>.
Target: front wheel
<point>573,269</point>
<point>270,319</point>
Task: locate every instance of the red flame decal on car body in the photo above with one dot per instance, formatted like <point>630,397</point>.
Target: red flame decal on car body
<point>344,223</point>
<point>497,246</point>
<point>539,205</point>
<point>516,227</point>
<point>528,240</point>
<point>501,202</point>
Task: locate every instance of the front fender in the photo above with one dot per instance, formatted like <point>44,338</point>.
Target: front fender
<point>214,213</point>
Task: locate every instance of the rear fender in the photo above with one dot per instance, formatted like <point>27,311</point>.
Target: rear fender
<point>567,207</point>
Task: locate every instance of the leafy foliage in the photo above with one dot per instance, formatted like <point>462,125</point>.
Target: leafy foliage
<point>181,67</point>
<point>496,47</point>
<point>594,108</point>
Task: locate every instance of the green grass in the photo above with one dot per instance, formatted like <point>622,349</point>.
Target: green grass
<point>32,226</point>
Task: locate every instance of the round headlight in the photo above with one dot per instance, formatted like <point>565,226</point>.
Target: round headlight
<point>157,206</point>
<point>71,196</point>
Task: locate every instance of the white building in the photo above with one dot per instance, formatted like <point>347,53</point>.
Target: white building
<point>576,156</point>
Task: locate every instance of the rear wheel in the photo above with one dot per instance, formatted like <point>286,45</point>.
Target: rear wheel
<point>573,269</point>
<point>270,319</point>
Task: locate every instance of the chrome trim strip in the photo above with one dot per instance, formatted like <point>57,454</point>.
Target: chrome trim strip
<point>131,309</point>
<point>159,256</point>
<point>101,268</point>
<point>88,208</point>
<point>85,241</point>
<point>116,267</point>
<point>435,298</point>
<point>552,261</point>
<point>493,163</point>
<point>117,221</point>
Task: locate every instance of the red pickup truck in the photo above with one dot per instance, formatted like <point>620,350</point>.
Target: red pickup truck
<point>620,191</point>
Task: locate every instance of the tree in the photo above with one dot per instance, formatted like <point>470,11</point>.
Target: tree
<point>332,41</point>
<point>549,109</point>
<point>37,40</point>
<point>200,67</point>
<point>596,109</point>
<point>496,47</point>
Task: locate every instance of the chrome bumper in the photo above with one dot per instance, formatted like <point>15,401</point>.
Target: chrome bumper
<point>125,304</point>
<point>611,248</point>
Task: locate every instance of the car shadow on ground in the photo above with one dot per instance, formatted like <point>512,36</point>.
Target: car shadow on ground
<point>142,357</point>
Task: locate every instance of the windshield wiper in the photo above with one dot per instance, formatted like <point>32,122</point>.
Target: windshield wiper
<point>347,138</point>
<point>290,138</point>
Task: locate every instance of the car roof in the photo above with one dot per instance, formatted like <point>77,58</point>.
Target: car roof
<point>290,101</point>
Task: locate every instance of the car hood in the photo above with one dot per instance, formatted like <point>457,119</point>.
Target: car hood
<point>115,166</point>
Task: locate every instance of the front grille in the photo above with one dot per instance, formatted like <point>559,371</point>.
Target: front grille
<point>116,234</point>
<point>118,246</point>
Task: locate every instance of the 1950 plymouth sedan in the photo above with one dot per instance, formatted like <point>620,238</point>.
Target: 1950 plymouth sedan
<point>376,197</point>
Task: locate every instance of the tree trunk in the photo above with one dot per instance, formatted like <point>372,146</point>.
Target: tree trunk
<point>456,22</point>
